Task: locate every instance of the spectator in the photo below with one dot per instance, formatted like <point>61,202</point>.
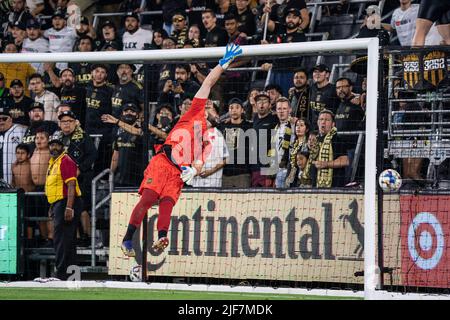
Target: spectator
<point>82,70</point>
<point>278,13</point>
<point>235,82</point>
<point>18,70</point>
<point>51,77</point>
<point>250,104</point>
<point>61,37</point>
<point>38,167</point>
<point>5,95</point>
<point>290,31</point>
<point>35,42</point>
<point>47,98</point>
<point>135,38</point>
<point>63,194</point>
<point>263,123</point>
<point>215,36</point>
<point>284,137</point>
<point>19,12</point>
<point>298,175</point>
<point>128,90</point>
<point>195,36</point>
<point>10,136</point>
<point>245,18</point>
<point>127,159</point>
<point>212,171</point>
<point>21,178</point>
<point>21,103</point>
<point>18,32</point>
<point>175,91</point>
<point>349,116</point>
<point>98,102</point>
<point>236,173</point>
<point>158,37</point>
<point>275,92</point>
<point>37,123</point>
<point>72,94</point>
<point>195,13</point>
<point>164,123</point>
<point>167,70</point>
<point>329,165</point>
<point>21,171</point>
<point>371,28</point>
<point>85,30</point>
<point>224,7</point>
<point>431,11</point>
<point>109,36</point>
<point>299,94</point>
<point>80,147</point>
<point>180,28</point>
<point>169,7</point>
<point>322,95</point>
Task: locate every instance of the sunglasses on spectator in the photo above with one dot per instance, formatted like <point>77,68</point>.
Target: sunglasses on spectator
<point>178,19</point>
<point>4,118</point>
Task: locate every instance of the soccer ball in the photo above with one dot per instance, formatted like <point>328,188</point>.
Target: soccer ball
<point>135,273</point>
<point>390,180</point>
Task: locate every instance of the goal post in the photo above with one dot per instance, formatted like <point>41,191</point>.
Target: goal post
<point>369,45</point>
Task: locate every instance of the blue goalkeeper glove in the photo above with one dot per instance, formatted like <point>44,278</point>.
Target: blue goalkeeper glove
<point>231,52</point>
<point>188,174</point>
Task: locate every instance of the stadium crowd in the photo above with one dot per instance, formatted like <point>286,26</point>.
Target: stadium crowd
<point>294,119</point>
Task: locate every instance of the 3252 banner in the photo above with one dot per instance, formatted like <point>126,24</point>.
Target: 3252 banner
<point>425,231</point>
<point>273,236</point>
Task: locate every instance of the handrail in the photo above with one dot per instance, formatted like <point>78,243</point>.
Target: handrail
<point>95,206</point>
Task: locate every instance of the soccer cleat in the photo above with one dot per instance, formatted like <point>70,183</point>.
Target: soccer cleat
<point>161,244</point>
<point>127,248</point>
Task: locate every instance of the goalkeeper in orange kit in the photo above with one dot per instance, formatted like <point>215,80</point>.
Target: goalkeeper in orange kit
<point>178,161</point>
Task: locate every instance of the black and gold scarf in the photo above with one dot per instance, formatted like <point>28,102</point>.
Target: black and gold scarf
<point>325,176</point>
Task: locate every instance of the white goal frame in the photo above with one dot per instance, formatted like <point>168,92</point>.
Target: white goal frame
<point>371,45</point>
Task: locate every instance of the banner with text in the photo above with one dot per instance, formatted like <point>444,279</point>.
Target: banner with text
<point>273,236</point>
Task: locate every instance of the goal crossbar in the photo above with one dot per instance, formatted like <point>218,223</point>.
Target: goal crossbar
<point>370,45</point>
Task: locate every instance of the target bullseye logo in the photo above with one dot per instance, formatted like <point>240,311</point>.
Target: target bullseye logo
<point>426,240</point>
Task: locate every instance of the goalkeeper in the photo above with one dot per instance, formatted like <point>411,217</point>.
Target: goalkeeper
<point>178,161</point>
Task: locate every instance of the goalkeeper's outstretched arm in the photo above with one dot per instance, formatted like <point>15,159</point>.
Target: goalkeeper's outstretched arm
<point>232,51</point>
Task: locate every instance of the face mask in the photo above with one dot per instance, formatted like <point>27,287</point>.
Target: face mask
<point>130,119</point>
<point>164,121</point>
<point>55,152</point>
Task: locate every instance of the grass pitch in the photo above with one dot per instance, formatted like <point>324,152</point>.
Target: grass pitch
<point>139,294</point>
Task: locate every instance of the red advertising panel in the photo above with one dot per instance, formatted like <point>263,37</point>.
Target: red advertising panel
<point>425,231</point>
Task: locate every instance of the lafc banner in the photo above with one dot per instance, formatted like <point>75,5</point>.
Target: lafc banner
<point>296,237</point>
<point>425,69</point>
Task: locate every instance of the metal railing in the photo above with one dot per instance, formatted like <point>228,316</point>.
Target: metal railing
<point>96,206</point>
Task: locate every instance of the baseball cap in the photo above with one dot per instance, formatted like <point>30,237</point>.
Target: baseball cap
<point>36,105</point>
<point>56,138</point>
<point>4,111</point>
<point>295,11</point>
<point>19,24</point>
<point>131,106</point>
<point>321,67</point>
<point>59,13</point>
<point>131,14</point>
<point>84,20</point>
<point>262,94</point>
<point>16,82</point>
<point>67,113</point>
<point>108,23</point>
<point>235,100</point>
<point>179,13</point>
<point>33,23</point>
<point>66,69</point>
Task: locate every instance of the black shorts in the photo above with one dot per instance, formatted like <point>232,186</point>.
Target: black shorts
<point>435,11</point>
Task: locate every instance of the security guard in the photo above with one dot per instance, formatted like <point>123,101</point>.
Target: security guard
<point>63,194</point>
